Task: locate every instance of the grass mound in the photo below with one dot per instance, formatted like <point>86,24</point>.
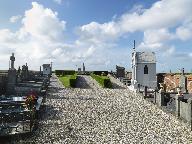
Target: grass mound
<point>68,80</point>
<point>104,81</point>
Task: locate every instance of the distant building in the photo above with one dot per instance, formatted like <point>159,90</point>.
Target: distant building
<point>143,70</point>
<point>120,72</point>
<point>46,69</point>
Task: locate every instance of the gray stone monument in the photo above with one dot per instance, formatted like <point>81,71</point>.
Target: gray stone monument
<point>183,82</point>
<point>12,76</point>
<point>120,72</point>
<point>25,72</point>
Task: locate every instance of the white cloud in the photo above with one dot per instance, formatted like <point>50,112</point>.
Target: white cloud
<point>184,32</point>
<point>14,19</point>
<point>38,38</point>
<point>163,14</point>
<point>43,23</point>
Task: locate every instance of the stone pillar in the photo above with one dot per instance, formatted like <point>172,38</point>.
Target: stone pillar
<point>12,77</point>
<point>145,91</point>
<point>12,58</point>
<point>160,98</point>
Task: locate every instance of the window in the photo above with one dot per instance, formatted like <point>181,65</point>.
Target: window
<point>145,69</point>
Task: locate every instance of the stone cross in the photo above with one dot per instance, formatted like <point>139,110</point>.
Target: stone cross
<point>12,58</point>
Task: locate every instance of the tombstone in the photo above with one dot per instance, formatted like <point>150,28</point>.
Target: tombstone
<point>25,73</point>
<point>184,108</point>
<point>183,82</point>
<point>143,69</point>
<point>79,70</point>
<point>12,76</point>
<point>47,69</point>
<point>120,72</point>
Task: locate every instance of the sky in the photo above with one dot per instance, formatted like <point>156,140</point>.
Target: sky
<point>96,32</point>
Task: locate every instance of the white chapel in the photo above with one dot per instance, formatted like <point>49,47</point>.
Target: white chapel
<point>143,70</point>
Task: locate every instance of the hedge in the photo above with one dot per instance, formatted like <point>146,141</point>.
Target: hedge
<point>68,80</point>
<point>104,81</point>
<point>64,72</point>
<point>100,72</point>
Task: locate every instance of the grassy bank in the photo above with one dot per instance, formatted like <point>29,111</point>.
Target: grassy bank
<point>104,81</point>
<point>68,80</point>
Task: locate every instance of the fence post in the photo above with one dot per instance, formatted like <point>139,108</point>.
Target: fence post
<point>178,107</point>
<point>155,95</point>
<point>191,114</point>
<point>139,87</point>
<point>145,91</point>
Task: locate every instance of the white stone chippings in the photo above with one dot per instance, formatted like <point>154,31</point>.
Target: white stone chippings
<point>105,116</point>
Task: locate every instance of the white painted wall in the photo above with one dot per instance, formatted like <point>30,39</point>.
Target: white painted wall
<point>149,79</point>
<point>139,60</point>
<point>46,70</point>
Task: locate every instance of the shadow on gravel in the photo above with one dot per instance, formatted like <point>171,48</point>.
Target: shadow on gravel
<point>116,86</point>
<point>49,113</point>
<point>12,139</point>
<point>82,83</point>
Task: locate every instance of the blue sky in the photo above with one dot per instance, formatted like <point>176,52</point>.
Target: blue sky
<point>99,33</point>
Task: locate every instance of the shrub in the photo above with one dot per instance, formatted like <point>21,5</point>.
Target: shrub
<point>64,72</point>
<point>104,81</point>
<point>68,80</point>
<point>100,72</point>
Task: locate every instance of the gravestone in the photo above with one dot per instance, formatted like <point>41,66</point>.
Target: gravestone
<point>12,76</point>
<point>120,72</point>
<point>47,69</point>
<point>183,82</point>
<point>79,70</point>
<point>25,73</point>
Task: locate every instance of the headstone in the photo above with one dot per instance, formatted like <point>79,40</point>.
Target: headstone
<point>79,70</point>
<point>25,73</point>
<point>183,82</point>
<point>12,76</point>
<point>12,58</point>
<point>47,69</point>
<point>120,72</point>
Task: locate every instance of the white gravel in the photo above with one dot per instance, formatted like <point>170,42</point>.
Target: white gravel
<point>98,115</point>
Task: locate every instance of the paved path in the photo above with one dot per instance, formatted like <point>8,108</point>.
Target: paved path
<point>105,116</point>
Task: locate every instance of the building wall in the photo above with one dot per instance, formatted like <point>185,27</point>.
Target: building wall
<point>172,81</point>
<point>149,79</point>
<point>47,70</point>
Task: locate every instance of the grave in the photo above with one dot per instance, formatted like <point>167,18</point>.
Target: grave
<point>21,86</point>
<point>47,69</point>
<point>12,76</point>
<point>120,72</point>
<point>183,82</point>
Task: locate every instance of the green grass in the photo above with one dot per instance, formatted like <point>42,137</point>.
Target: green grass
<point>68,80</point>
<point>104,81</point>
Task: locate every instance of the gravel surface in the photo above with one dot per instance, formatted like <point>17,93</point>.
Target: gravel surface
<point>98,115</point>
